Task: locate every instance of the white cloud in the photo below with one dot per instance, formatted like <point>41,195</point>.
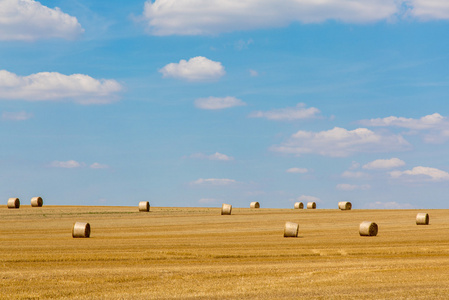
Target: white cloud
<point>287,114</point>
<point>253,73</point>
<point>339,142</point>
<point>52,86</point>
<point>195,69</point>
<point>426,173</point>
<point>16,116</point>
<point>210,17</point>
<point>427,122</point>
<point>297,170</point>
<point>354,165</point>
<point>213,103</point>
<point>98,166</point>
<point>70,164</point>
<point>384,164</point>
<point>350,174</point>
<point>305,198</point>
<point>389,205</point>
<point>429,9</point>
<point>28,20</point>
<point>215,156</point>
<point>214,181</point>
<point>352,187</point>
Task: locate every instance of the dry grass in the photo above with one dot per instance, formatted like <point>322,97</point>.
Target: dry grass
<point>195,253</point>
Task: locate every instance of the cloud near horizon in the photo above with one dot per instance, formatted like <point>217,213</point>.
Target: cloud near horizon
<point>53,86</point>
<point>214,181</point>
<point>215,103</point>
<point>339,142</point>
<point>287,114</point>
<point>425,173</point>
<point>306,198</point>
<point>384,164</point>
<point>352,187</point>
<point>215,156</point>
<point>16,116</point>
<point>197,68</point>
<point>28,20</point>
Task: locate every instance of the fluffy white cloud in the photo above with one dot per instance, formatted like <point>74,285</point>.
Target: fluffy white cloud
<point>16,116</point>
<point>215,156</point>
<point>213,103</point>
<point>214,181</point>
<point>209,17</point>
<point>47,86</point>
<point>29,20</point>
<point>339,142</point>
<point>389,205</point>
<point>426,173</point>
<point>305,198</point>
<point>98,166</point>
<point>195,69</point>
<point>70,164</point>
<point>297,170</point>
<point>352,187</point>
<point>429,9</point>
<point>435,126</point>
<point>384,164</point>
<point>287,114</point>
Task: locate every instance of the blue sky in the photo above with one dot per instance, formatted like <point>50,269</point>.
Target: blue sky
<point>199,103</point>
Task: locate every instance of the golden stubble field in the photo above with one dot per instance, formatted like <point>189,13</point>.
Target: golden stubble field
<point>196,253</point>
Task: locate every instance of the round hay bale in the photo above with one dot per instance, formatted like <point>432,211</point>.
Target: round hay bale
<point>291,229</point>
<point>13,203</point>
<point>226,209</point>
<point>422,219</point>
<point>81,230</point>
<point>144,206</point>
<point>37,202</point>
<point>299,205</point>
<point>311,205</point>
<point>254,205</point>
<point>368,228</point>
<point>344,205</point>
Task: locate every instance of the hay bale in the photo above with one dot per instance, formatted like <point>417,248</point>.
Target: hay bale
<point>81,230</point>
<point>144,206</point>
<point>422,219</point>
<point>291,229</point>
<point>254,205</point>
<point>299,205</point>
<point>226,209</point>
<point>311,205</point>
<point>13,203</point>
<point>36,202</point>
<point>368,228</point>
<point>344,205</point>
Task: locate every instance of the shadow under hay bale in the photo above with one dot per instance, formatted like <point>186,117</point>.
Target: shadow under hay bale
<point>37,202</point>
<point>344,205</point>
<point>226,209</point>
<point>81,230</point>
<point>291,229</point>
<point>254,205</point>
<point>368,228</point>
<point>311,205</point>
<point>144,206</point>
<point>299,205</point>
<point>13,203</point>
<point>422,219</point>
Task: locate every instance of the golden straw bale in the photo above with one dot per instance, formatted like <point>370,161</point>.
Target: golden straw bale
<point>226,209</point>
<point>345,205</point>
<point>291,229</point>
<point>299,205</point>
<point>36,202</point>
<point>368,228</point>
<point>144,206</point>
<point>254,205</point>
<point>422,219</point>
<point>81,230</point>
<point>13,203</point>
<point>311,205</point>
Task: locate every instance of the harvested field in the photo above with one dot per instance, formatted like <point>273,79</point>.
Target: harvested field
<point>195,253</point>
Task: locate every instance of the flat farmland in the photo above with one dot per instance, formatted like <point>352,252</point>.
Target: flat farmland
<point>196,253</point>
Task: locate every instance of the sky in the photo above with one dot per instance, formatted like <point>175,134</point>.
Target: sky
<point>202,102</point>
